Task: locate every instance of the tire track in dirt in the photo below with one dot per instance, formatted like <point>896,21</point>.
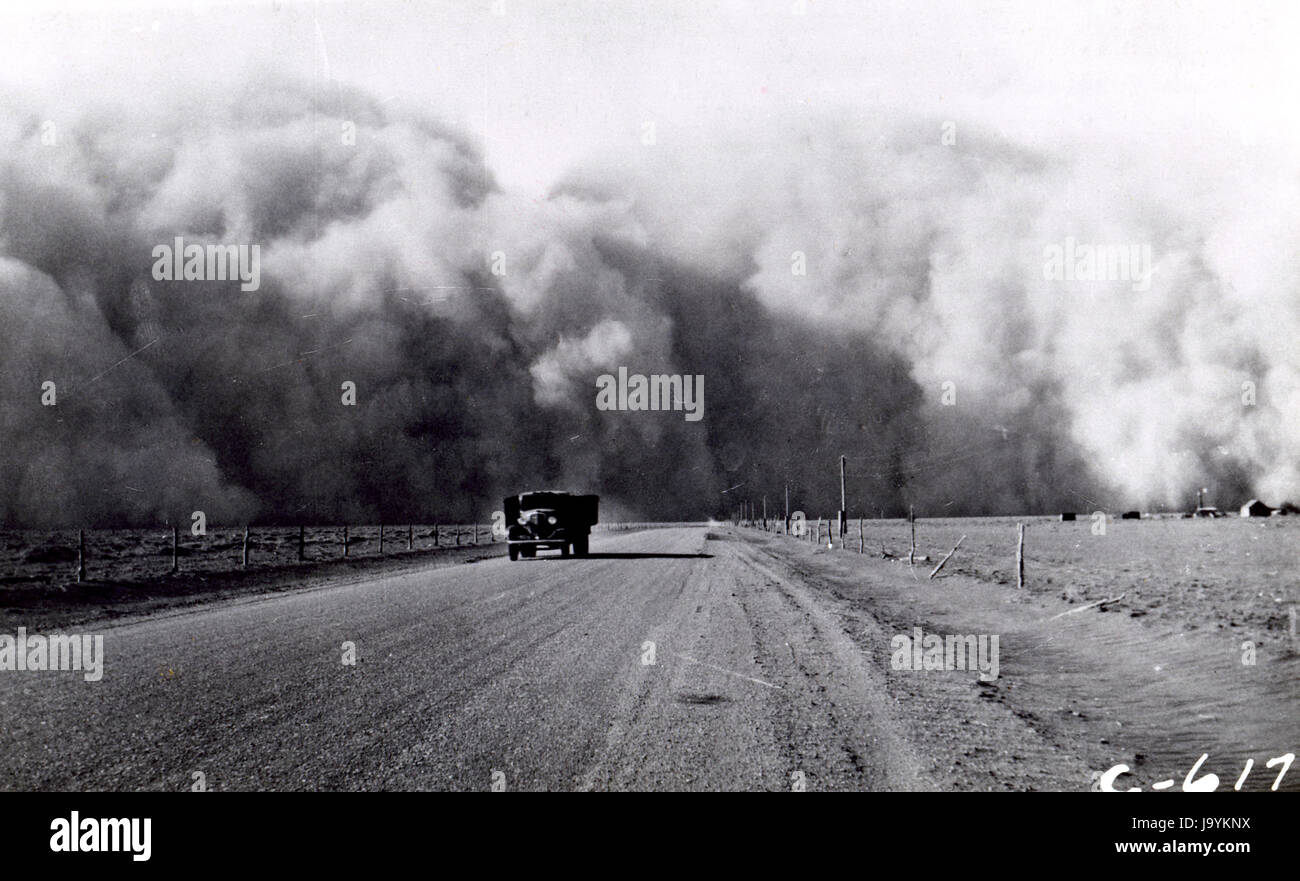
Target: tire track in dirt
<point>1075,695</point>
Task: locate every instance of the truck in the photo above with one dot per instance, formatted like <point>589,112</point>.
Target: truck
<point>549,519</point>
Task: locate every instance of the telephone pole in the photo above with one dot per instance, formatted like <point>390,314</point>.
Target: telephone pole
<point>844,526</point>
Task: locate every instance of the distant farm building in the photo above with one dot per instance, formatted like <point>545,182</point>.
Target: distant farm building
<point>1204,510</point>
<point>1131,515</point>
<point>1067,516</point>
<point>1256,508</point>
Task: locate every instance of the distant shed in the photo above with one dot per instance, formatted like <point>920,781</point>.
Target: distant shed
<point>1067,516</point>
<point>1256,508</point>
<point>1131,515</point>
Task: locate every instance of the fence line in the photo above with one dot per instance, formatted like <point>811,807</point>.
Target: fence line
<point>106,554</point>
<point>812,533</point>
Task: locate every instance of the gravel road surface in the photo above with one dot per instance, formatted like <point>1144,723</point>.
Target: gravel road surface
<point>670,659</point>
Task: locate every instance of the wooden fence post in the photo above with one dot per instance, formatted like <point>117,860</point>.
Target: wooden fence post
<point>410,536</point>
<point>1020,555</point>
<point>345,539</point>
<point>381,539</point>
<point>176,540</point>
<point>81,556</point>
<point>244,565</point>
<point>435,535</point>
<point>945,559</point>
<point>911,520</point>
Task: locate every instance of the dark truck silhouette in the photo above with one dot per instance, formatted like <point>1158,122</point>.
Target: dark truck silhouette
<point>549,519</point>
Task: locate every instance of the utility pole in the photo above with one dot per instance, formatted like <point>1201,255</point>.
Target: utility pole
<point>844,526</point>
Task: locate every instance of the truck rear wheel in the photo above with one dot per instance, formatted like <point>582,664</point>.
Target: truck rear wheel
<point>580,547</point>
<point>564,549</point>
<point>514,552</point>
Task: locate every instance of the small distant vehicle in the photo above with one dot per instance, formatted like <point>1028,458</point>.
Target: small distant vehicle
<point>549,519</point>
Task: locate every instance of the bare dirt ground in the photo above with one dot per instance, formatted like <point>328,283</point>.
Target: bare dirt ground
<point>50,556</point>
<point>1153,681</point>
<point>665,660</point>
<point>128,570</point>
<point>774,661</point>
<point>1232,574</point>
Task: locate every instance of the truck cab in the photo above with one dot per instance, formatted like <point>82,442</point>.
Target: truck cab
<point>550,519</point>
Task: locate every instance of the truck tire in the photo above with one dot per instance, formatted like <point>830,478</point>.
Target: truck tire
<point>514,552</point>
<point>564,550</point>
<point>580,547</point>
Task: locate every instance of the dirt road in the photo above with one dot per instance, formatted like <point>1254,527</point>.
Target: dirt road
<point>684,658</point>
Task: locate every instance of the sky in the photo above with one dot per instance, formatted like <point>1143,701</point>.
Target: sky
<point>839,214</point>
<point>546,84</point>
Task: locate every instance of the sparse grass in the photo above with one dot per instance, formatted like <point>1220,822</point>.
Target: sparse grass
<point>1228,573</point>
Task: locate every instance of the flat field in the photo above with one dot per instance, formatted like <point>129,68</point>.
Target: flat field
<point>1227,574</point>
